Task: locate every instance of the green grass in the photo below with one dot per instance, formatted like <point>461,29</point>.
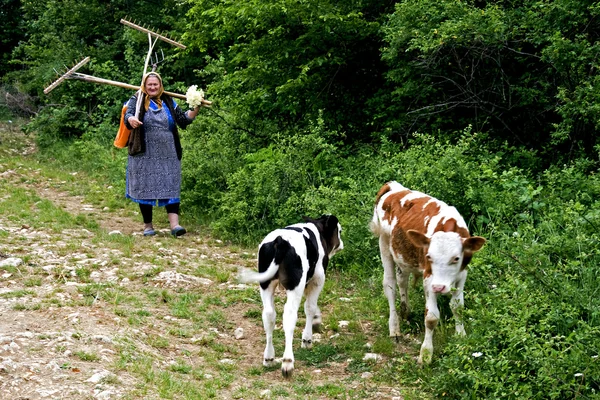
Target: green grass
<point>172,339</point>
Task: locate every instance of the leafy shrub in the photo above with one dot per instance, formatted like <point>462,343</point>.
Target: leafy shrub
<point>532,302</point>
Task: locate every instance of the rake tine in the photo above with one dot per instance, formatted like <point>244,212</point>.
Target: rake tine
<point>149,31</point>
<point>66,74</point>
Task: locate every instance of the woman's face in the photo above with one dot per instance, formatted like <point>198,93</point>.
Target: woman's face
<point>152,86</point>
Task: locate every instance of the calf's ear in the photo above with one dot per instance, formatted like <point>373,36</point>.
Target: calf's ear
<point>417,238</point>
<point>474,243</point>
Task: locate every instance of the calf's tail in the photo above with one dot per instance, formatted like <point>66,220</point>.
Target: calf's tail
<point>273,253</point>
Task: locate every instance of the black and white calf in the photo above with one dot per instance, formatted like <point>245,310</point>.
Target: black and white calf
<point>295,257</point>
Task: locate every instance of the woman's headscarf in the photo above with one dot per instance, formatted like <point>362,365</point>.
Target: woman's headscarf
<point>156,99</point>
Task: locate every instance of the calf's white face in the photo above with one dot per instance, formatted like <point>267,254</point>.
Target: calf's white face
<point>445,255</point>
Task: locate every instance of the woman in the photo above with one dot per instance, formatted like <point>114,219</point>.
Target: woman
<point>154,162</point>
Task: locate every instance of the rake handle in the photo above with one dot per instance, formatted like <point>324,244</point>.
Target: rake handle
<point>89,78</point>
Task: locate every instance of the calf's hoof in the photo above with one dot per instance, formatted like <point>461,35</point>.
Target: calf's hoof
<point>269,362</point>
<point>287,368</point>
<point>306,344</point>
<point>404,311</point>
<point>425,357</point>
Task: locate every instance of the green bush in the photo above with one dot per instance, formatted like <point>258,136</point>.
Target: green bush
<point>532,302</point>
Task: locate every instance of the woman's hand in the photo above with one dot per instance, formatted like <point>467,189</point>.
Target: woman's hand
<point>192,113</point>
<point>134,122</point>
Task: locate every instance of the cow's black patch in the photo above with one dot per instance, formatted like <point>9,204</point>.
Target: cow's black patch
<point>283,254</point>
<point>312,252</point>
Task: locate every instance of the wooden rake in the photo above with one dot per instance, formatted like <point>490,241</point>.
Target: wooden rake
<point>73,74</point>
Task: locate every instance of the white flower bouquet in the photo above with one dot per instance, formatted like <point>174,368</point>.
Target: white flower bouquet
<point>193,96</point>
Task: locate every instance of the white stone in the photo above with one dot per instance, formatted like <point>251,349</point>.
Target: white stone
<point>239,333</point>
<point>98,376</point>
<point>11,262</point>
<point>372,356</point>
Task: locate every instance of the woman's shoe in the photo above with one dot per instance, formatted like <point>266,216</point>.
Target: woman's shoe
<point>178,231</point>
<point>149,232</point>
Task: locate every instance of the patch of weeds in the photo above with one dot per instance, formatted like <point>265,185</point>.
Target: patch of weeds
<point>91,292</point>
<point>65,365</point>
<point>152,272</point>
<point>304,388</point>
<point>111,379</point>
<point>181,367</point>
<point>33,281</point>
<point>358,366</point>
<point>84,356</point>
<point>280,391</point>
<point>118,296</point>
<point>9,268</point>
<point>121,312</point>
<point>83,273</point>
<point>254,314</point>
<point>135,320</point>
<point>142,313</point>
<point>242,393</point>
<point>17,294</point>
<point>218,319</point>
<point>26,307</point>
<point>55,302</point>
<point>215,300</point>
<point>255,371</point>
<point>214,272</point>
<point>320,355</point>
<point>158,342</point>
<point>180,333</point>
<point>84,221</point>
<point>181,306</point>
<point>385,346</point>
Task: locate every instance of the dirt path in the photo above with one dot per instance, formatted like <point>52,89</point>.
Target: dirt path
<point>106,313</point>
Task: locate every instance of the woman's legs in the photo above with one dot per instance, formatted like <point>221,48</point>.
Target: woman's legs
<point>146,210</point>
<point>173,215</point>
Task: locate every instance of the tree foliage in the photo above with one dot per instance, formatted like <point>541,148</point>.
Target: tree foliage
<point>525,70</point>
<point>287,61</point>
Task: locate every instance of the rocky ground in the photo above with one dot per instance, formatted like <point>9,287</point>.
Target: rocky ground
<point>94,310</point>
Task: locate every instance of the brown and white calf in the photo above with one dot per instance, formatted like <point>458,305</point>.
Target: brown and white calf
<point>423,236</point>
<point>296,258</point>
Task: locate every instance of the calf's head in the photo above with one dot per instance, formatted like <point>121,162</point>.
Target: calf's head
<point>331,232</point>
<point>446,257</point>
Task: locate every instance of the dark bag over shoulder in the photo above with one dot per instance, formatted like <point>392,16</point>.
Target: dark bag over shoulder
<point>136,144</point>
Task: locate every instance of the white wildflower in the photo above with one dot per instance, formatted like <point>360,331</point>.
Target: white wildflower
<point>477,354</point>
<point>193,96</point>
<point>578,375</point>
